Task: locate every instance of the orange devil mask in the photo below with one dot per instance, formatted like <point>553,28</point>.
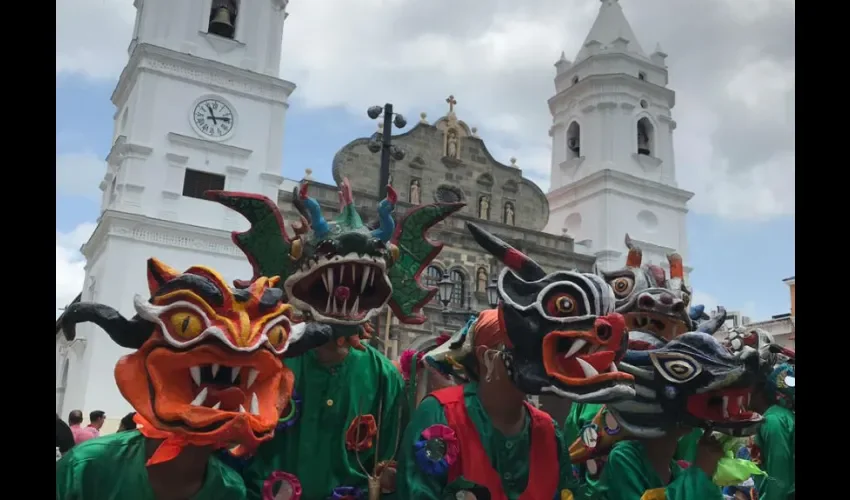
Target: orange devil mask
<point>207,368</point>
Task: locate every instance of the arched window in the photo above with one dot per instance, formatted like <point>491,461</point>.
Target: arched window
<point>645,137</point>
<point>573,140</point>
<point>459,292</point>
<point>575,79</point>
<point>432,275</point>
<point>641,76</point>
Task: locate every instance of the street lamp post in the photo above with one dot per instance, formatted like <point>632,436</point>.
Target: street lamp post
<point>446,287</point>
<point>383,142</point>
<point>493,293</point>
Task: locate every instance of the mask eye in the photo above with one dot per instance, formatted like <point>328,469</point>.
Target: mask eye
<point>185,325</point>
<point>622,286</point>
<point>678,368</point>
<point>562,304</point>
<point>277,337</point>
<point>277,334</point>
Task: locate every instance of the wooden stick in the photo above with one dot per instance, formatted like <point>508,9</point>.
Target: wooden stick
<point>387,332</point>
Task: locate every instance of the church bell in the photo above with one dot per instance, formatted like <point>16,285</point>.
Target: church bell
<point>222,23</point>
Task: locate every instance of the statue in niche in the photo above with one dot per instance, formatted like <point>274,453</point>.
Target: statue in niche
<point>451,144</point>
<point>415,192</point>
<point>484,208</point>
<point>509,214</point>
<point>482,279</point>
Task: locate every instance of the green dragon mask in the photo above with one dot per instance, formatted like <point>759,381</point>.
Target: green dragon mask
<point>341,272</point>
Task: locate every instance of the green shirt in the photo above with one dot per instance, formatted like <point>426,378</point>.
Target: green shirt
<point>314,449</point>
<point>508,455</point>
<point>775,438</point>
<point>582,414</point>
<point>628,475</point>
<point>113,468</point>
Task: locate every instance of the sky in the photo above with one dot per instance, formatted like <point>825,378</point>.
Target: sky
<point>731,63</point>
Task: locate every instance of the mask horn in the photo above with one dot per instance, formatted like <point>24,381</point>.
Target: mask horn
<point>131,334</point>
<point>385,215</point>
<point>317,220</point>
<point>676,268</point>
<point>517,261</point>
<point>712,325</point>
<point>635,253</point>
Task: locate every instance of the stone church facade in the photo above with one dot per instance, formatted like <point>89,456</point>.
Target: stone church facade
<point>447,161</point>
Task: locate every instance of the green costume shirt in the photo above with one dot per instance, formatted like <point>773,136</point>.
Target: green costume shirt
<point>628,475</point>
<point>776,441</point>
<point>113,468</point>
<point>582,414</point>
<point>314,448</point>
<point>508,455</point>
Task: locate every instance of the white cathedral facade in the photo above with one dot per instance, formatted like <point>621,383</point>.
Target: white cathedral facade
<point>613,169</point>
<point>197,110</point>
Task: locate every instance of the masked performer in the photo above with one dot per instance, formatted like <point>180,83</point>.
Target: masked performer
<point>692,381</point>
<point>775,441</point>
<point>340,274</point>
<point>554,333</point>
<point>656,311</point>
<point>206,374</point>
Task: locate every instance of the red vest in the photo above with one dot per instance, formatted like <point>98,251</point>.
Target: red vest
<point>474,464</point>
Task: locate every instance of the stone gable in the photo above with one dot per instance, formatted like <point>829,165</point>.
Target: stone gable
<point>470,174</point>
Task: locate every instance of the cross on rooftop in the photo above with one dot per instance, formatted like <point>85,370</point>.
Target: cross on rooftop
<point>451,101</point>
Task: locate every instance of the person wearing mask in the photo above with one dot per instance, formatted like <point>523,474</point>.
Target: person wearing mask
<point>487,421</point>
<point>775,442</point>
<point>127,423</point>
<point>350,414</point>
<point>81,434</point>
<point>198,380</point>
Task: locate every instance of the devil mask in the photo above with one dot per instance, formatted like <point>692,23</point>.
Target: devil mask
<point>341,272</point>
<point>565,336</point>
<point>207,368</point>
<point>655,307</point>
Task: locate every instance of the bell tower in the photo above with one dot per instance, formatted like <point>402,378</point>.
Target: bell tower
<point>613,168</point>
<point>198,106</point>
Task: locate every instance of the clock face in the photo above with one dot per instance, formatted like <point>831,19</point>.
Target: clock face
<point>213,118</point>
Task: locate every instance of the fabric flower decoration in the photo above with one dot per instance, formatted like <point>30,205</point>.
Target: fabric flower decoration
<point>290,487</point>
<point>346,493</point>
<point>291,417</point>
<point>360,433</point>
<point>436,450</point>
<point>780,385</point>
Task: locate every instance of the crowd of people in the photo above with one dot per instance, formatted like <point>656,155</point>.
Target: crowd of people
<point>270,390</point>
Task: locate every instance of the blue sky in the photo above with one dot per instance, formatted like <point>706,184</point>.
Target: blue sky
<point>738,263</point>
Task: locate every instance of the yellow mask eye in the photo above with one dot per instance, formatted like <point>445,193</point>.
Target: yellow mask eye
<point>277,336</point>
<point>185,325</point>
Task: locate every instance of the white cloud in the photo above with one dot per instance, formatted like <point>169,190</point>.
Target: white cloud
<point>70,264</point>
<point>731,64</point>
<point>79,174</point>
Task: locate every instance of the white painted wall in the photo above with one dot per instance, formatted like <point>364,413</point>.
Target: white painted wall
<point>174,63</point>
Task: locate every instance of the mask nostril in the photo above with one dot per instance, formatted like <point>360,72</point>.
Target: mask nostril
<point>604,332</point>
<point>678,307</point>
<point>647,301</point>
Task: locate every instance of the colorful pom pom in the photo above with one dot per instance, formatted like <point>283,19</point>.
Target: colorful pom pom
<point>437,450</point>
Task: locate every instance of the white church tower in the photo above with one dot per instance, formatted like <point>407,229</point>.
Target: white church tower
<point>199,106</point>
<point>613,168</point>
